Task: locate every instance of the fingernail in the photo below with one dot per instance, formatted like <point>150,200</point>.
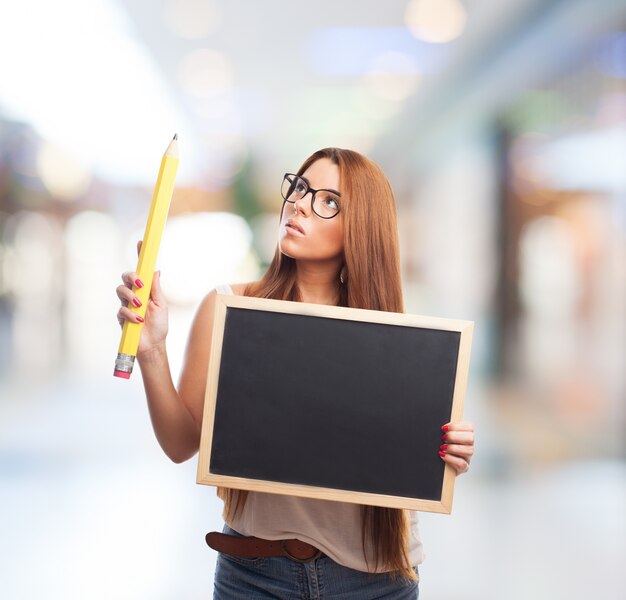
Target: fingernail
<point>443,447</point>
<point>139,319</point>
<point>445,428</point>
<point>442,454</point>
<point>136,302</point>
<point>443,437</point>
<point>138,283</point>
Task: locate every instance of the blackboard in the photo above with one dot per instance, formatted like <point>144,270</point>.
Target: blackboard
<point>331,402</point>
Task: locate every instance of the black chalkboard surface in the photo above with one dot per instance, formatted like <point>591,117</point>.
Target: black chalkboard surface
<point>334,403</point>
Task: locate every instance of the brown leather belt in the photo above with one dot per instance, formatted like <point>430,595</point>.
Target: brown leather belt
<point>253,547</point>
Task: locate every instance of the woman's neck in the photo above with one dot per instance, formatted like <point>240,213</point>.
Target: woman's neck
<point>318,284</point>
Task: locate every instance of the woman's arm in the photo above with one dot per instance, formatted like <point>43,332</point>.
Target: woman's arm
<point>178,431</point>
<point>174,427</point>
<point>457,446</point>
<point>173,424</point>
<point>177,414</point>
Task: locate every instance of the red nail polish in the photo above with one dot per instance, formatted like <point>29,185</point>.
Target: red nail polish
<point>445,428</point>
<point>442,454</point>
<point>137,302</point>
<point>139,319</point>
<point>138,283</point>
<point>443,447</point>
<point>443,437</point>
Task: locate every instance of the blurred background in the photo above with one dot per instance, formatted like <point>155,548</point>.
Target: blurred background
<point>502,128</point>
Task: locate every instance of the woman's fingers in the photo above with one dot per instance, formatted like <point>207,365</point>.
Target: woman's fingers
<point>460,464</point>
<point>458,437</point>
<point>127,296</point>
<point>459,426</point>
<point>130,278</point>
<point>458,433</point>
<point>125,314</point>
<point>123,294</point>
<point>458,450</point>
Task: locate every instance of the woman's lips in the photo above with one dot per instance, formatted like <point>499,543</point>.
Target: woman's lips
<point>294,229</point>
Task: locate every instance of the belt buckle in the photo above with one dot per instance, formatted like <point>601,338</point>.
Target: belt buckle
<point>295,558</point>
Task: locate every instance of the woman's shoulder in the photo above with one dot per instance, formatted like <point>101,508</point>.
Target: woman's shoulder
<point>207,305</point>
<point>237,289</point>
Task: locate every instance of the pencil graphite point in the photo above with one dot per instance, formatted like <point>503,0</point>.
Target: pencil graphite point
<point>175,136</point>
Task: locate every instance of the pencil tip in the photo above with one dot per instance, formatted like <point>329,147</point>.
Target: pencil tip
<point>175,136</point>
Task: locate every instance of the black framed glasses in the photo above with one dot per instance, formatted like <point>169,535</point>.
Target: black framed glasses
<point>324,203</point>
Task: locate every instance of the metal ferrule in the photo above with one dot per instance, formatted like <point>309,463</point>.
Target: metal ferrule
<point>124,362</point>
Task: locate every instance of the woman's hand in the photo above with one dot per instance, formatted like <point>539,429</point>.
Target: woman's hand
<point>155,327</point>
<point>457,445</point>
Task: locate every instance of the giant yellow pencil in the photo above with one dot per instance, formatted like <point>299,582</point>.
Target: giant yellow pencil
<point>147,258</point>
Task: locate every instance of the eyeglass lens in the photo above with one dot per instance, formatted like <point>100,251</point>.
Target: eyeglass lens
<point>325,203</point>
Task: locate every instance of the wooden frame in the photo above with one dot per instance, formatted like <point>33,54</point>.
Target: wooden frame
<point>222,305</point>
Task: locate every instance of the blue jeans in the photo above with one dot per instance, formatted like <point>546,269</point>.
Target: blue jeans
<point>278,577</point>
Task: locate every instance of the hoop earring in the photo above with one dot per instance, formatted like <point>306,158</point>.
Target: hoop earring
<point>343,275</point>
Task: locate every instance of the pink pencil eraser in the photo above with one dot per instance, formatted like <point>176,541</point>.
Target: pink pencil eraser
<point>123,374</point>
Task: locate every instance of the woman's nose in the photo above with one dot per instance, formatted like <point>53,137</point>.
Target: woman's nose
<point>300,205</point>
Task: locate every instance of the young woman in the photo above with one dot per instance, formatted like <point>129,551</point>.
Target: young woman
<point>337,245</point>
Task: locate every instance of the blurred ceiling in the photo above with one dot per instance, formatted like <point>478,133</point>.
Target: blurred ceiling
<point>265,83</point>
<point>280,79</point>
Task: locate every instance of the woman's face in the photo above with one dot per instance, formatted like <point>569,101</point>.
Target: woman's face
<point>304,235</point>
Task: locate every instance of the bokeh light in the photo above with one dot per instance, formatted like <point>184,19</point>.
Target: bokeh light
<point>436,21</point>
<point>392,76</point>
<point>200,251</point>
<point>64,177</point>
<point>192,19</point>
<point>205,72</point>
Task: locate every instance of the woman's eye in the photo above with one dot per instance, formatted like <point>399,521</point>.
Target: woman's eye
<point>299,188</point>
<point>331,202</point>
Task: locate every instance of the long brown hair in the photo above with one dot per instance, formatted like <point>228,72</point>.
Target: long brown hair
<point>369,278</point>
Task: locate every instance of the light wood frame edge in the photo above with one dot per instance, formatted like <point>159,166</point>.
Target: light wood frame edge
<point>460,387</point>
<point>210,396</point>
<point>319,493</point>
<point>341,312</point>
